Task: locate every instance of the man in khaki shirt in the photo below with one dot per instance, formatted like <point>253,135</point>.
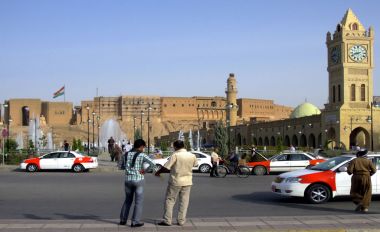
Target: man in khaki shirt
<point>180,164</point>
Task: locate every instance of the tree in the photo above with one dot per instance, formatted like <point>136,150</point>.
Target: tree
<point>10,145</point>
<point>164,145</point>
<point>80,146</point>
<point>74,147</point>
<point>137,134</point>
<point>221,138</point>
<point>279,144</point>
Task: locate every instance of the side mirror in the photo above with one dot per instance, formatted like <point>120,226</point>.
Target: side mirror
<point>342,169</point>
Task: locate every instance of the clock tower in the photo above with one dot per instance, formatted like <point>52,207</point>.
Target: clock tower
<point>350,66</point>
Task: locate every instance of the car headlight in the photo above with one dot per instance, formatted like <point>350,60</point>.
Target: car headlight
<point>293,180</point>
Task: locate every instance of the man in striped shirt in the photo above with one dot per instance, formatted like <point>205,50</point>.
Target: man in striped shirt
<point>134,182</point>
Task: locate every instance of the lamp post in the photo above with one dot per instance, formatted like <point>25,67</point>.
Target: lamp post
<point>228,122</point>
<point>370,119</point>
<point>134,128</point>
<point>141,124</point>
<point>98,118</point>
<point>148,121</point>
<point>93,129</point>
<point>88,130</point>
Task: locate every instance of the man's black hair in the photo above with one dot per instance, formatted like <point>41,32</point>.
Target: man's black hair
<point>138,143</point>
<point>178,144</point>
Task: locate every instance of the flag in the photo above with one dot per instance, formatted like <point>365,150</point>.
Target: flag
<point>60,92</point>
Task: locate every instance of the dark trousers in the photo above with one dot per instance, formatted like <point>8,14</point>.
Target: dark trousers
<point>214,169</point>
<point>133,189</point>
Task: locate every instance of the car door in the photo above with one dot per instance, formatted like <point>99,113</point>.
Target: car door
<point>375,178</point>
<point>199,159</point>
<point>280,164</point>
<point>298,161</point>
<point>342,181</point>
<point>65,160</point>
<point>49,161</point>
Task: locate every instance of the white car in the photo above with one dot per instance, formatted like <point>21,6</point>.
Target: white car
<point>60,160</point>
<point>323,181</point>
<point>204,162</point>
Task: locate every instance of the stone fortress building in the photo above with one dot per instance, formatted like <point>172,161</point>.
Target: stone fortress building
<point>349,118</point>
<point>131,113</point>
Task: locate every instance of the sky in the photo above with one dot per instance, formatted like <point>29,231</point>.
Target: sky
<point>275,48</point>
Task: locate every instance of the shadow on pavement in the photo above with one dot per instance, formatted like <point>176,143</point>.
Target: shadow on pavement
<point>84,217</point>
<point>35,217</point>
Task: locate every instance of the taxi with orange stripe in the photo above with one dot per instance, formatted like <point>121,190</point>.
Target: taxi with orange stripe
<point>324,181</point>
<point>284,162</point>
<point>65,160</point>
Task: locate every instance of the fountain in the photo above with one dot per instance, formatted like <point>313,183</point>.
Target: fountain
<point>20,140</point>
<point>111,128</point>
<point>49,141</point>
<point>34,131</point>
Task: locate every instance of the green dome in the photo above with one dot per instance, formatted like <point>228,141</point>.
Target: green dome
<point>305,109</point>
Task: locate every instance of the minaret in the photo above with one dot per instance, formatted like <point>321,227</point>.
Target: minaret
<point>231,93</point>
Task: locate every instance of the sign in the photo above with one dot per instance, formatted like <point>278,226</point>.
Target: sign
<point>4,132</point>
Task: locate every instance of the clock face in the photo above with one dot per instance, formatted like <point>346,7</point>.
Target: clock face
<point>358,53</point>
<point>335,55</point>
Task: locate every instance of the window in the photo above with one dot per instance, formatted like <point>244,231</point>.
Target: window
<point>282,158</point>
<point>353,94</point>
<point>51,156</point>
<point>199,156</point>
<point>298,157</point>
<point>66,155</point>
<point>333,93</point>
<point>362,92</point>
<point>339,97</point>
<point>354,27</point>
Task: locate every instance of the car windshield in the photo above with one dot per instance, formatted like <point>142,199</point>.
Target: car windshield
<point>330,163</point>
<point>274,157</point>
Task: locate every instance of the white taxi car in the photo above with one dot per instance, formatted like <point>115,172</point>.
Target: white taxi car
<point>204,162</point>
<point>324,181</point>
<point>60,160</point>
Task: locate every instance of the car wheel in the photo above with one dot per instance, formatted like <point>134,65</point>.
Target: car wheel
<point>78,168</point>
<point>31,168</point>
<point>204,168</point>
<point>259,170</point>
<point>318,193</point>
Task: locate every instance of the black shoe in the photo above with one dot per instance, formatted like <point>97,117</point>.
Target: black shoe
<point>137,224</point>
<point>163,224</point>
<point>122,223</point>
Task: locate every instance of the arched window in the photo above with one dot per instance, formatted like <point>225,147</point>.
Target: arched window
<point>338,27</point>
<point>25,116</point>
<point>339,97</point>
<point>353,94</point>
<point>362,92</point>
<point>354,27</point>
<point>213,104</point>
<point>333,93</point>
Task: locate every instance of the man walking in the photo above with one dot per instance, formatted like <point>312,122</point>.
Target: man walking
<point>180,164</point>
<point>111,143</point>
<point>134,182</point>
<point>361,186</point>
<point>215,162</point>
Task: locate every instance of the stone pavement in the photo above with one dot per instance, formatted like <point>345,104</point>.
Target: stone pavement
<point>349,223</point>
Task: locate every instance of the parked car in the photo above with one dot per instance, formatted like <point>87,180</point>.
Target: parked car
<point>60,160</point>
<point>285,162</point>
<point>204,162</point>
<point>323,181</point>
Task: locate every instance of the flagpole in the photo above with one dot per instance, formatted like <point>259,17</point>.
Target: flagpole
<point>64,93</point>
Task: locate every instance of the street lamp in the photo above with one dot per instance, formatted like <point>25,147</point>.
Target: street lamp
<point>88,130</point>
<point>93,129</point>
<point>148,121</point>
<point>134,128</point>
<point>370,119</point>
<point>141,124</point>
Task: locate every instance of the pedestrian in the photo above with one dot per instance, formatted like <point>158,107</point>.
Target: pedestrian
<point>117,152</point>
<point>66,145</point>
<point>214,162</point>
<point>111,143</point>
<point>132,162</point>
<point>128,147</point>
<point>292,148</point>
<point>361,169</point>
<point>180,164</point>
<point>123,143</point>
